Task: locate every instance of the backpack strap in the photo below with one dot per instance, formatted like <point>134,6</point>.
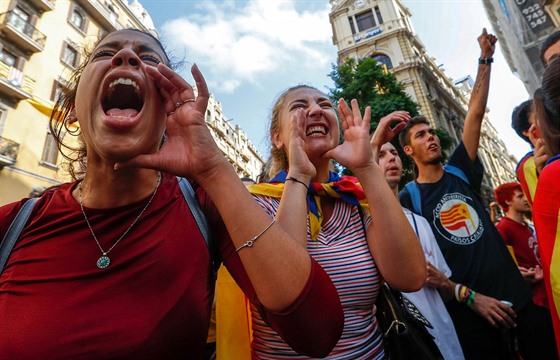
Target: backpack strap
<point>414,192</point>
<point>196,211</point>
<point>14,231</point>
<point>457,172</point>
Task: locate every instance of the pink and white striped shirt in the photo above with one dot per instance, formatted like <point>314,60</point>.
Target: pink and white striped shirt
<point>342,251</point>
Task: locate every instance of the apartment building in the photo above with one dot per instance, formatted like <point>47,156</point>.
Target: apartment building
<point>41,43</point>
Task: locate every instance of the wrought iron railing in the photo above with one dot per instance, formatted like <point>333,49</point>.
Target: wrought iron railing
<point>19,23</point>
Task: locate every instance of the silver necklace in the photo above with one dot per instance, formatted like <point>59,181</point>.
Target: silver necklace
<point>104,261</point>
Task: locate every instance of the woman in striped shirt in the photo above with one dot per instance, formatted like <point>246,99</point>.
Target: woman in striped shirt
<point>324,211</point>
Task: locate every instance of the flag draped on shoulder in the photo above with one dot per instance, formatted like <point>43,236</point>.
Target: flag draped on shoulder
<point>346,188</point>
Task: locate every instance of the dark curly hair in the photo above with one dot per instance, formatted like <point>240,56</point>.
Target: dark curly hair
<point>520,119</point>
<point>75,155</point>
<point>548,42</point>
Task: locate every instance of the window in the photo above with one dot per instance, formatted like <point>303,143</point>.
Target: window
<point>77,19</point>
<point>70,55</point>
<point>58,89</point>
<point>365,21</point>
<point>378,13</point>
<point>352,27</point>
<point>7,58</point>
<point>50,151</point>
<point>19,19</point>
<point>384,60</point>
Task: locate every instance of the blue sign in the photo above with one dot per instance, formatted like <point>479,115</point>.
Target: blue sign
<point>368,34</point>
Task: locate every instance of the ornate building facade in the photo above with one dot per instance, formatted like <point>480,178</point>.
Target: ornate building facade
<point>41,43</point>
<point>382,29</point>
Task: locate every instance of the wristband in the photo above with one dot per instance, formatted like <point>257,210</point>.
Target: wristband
<point>486,61</point>
<point>470,300</point>
<point>291,178</point>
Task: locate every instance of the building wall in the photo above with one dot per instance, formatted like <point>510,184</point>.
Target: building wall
<point>443,101</point>
<point>39,43</point>
<point>522,27</point>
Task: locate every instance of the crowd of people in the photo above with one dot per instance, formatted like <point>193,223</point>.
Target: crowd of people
<point>116,264</point>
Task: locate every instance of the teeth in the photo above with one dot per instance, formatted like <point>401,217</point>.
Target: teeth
<point>124,81</point>
<point>316,129</point>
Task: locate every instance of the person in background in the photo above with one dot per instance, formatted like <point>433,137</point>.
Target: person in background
<point>485,275</point>
<point>353,226</point>
<point>537,340</point>
<point>495,214</point>
<point>550,48</point>
<point>427,299</point>
<point>546,208</point>
<point>531,164</point>
<point>113,264</point>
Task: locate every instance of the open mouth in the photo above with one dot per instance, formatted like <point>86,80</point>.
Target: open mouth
<point>316,130</point>
<point>433,147</point>
<point>123,98</point>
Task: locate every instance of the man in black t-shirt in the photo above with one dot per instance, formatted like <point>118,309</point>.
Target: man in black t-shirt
<point>485,278</point>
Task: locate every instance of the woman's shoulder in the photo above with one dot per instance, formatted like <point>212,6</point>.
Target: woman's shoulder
<point>9,211</point>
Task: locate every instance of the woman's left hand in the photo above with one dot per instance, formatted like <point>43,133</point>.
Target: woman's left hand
<point>189,149</point>
<point>355,152</point>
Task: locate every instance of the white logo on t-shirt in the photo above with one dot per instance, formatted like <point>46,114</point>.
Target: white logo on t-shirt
<point>456,220</point>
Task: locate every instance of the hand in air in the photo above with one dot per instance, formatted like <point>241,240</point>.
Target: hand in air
<point>487,43</point>
<point>355,152</point>
<point>388,127</point>
<point>189,149</point>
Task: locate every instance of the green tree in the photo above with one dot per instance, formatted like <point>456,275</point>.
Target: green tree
<point>372,85</point>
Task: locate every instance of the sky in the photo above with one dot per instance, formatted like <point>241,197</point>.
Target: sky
<point>251,51</point>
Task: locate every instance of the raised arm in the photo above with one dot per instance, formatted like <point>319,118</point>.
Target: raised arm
<point>479,95</point>
<point>278,267</point>
<point>390,237</point>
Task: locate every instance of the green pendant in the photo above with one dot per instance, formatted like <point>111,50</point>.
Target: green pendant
<point>103,262</point>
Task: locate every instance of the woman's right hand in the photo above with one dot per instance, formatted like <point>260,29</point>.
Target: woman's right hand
<point>299,164</point>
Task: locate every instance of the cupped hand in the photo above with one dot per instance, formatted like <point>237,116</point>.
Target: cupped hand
<point>355,152</point>
<point>189,149</point>
<point>298,162</point>
<point>494,311</point>
<point>389,126</point>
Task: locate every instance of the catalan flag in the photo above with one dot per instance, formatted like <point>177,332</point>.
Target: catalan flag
<point>457,217</point>
<point>526,172</point>
<point>546,214</point>
<point>346,188</point>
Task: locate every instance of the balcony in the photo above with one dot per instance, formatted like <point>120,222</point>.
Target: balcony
<point>8,152</point>
<point>105,16</point>
<point>14,84</point>
<point>43,5</point>
<point>22,33</point>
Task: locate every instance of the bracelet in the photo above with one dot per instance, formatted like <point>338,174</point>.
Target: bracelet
<point>291,178</point>
<point>486,61</point>
<point>457,287</point>
<point>252,241</point>
<point>470,300</point>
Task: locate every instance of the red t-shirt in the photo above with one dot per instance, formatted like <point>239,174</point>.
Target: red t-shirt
<point>152,302</point>
<point>525,247</point>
